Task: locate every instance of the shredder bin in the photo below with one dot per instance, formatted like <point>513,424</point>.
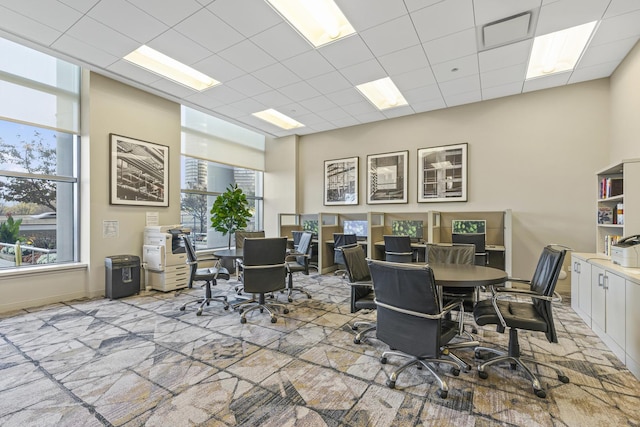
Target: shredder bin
<point>122,276</point>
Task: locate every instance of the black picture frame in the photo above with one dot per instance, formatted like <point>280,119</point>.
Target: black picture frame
<point>442,173</point>
<point>341,181</point>
<point>387,177</point>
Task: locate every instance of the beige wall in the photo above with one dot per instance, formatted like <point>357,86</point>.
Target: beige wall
<point>280,181</point>
<point>625,108</point>
<point>534,153</point>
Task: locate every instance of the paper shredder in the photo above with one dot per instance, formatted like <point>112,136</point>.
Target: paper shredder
<point>122,276</point>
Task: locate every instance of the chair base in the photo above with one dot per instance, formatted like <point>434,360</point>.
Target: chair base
<point>291,289</point>
<point>443,391</point>
<point>515,359</point>
<point>368,327</point>
<point>260,304</point>
<point>206,300</point>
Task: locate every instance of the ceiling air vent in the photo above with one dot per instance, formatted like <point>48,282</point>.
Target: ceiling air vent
<point>506,31</point>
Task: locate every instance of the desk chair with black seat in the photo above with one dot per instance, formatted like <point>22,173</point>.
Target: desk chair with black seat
<point>534,315</point>
<point>209,275</point>
<point>341,240</point>
<point>477,239</point>
<point>410,319</point>
<point>240,236</point>
<point>398,249</point>
<point>299,262</point>
<point>263,271</point>
<point>454,254</point>
<point>362,295</point>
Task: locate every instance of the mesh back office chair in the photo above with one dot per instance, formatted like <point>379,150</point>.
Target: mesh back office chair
<point>362,296</point>
<point>263,271</point>
<point>410,319</point>
<point>398,249</point>
<point>209,275</point>
<point>477,239</point>
<point>536,315</point>
<point>454,254</point>
<point>240,236</point>
<point>341,240</point>
<point>299,262</point>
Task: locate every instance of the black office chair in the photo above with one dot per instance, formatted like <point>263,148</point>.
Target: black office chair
<point>341,240</point>
<point>536,315</point>
<point>209,275</point>
<point>410,319</point>
<point>240,236</point>
<point>362,296</point>
<point>398,249</point>
<point>263,271</point>
<point>299,262</point>
<point>454,254</point>
<point>477,239</point>
<point>296,236</point>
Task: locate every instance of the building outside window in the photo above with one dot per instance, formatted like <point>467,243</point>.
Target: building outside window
<point>39,125</point>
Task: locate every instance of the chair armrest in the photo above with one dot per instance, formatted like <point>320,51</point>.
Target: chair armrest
<point>368,284</point>
<point>526,292</point>
<point>440,315</point>
<point>399,253</point>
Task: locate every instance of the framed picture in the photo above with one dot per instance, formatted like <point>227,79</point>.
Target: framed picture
<point>139,172</point>
<point>442,174</point>
<point>341,181</point>
<point>387,177</point>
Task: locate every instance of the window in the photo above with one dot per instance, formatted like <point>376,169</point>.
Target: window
<point>202,182</point>
<point>39,122</point>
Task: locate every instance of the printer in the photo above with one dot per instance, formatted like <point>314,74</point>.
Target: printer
<point>626,253</point>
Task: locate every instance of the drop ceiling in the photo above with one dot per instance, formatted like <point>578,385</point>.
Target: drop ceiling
<point>435,51</point>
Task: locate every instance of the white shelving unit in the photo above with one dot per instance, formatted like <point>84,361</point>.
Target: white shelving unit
<point>629,172</point>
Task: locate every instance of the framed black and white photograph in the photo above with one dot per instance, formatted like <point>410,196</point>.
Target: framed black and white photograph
<point>341,181</point>
<point>139,172</point>
<point>387,177</point>
<point>442,174</point>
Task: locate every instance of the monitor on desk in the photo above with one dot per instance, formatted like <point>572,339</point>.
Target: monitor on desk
<point>468,226</point>
<point>357,227</point>
<point>411,228</point>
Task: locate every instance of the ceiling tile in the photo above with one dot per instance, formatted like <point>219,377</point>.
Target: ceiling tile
<point>309,64</point>
<point>346,121</point>
<point>276,76</point>
<point>130,71</point>
<point>127,19</point>
<point>14,23</point>
<point>456,68</point>
<point>619,7</point>
<point>294,110</point>
<point>172,88</point>
<point>569,13</point>
<point>203,100</point>
<point>444,18</point>
<point>281,42</point>
<point>248,85</point>
<point>80,5</point>
<point>370,117</point>
<point>377,12</point>
<point>181,48</point>
<point>487,11</point>
<point>614,51</point>
<point>53,14</point>
<point>224,94</point>
<point>299,91</point>
<point>540,83</point>
<point>514,73</point>
<point>398,112</point>
<point>229,111</point>
<point>98,35</point>
<point>404,60</point>
<point>402,33</point>
<point>273,98</point>
<point>319,103</point>
<point>463,98</point>
<point>364,72</point>
<point>218,68</point>
<point>414,79</point>
<point>247,56</point>
<point>345,52</point>
<point>210,31</point>
<point>413,5</point>
<point>246,20</point>
<point>503,90</point>
<point>451,47</point>
<point>310,119</point>
<point>505,56</point>
<point>458,86</point>
<point>168,11</point>
<point>358,108</point>
<point>422,93</point>
<point>333,114</point>
<point>248,106</point>
<point>598,71</point>
<point>346,97</point>
<point>430,105</point>
<point>90,54</point>
<point>617,28</point>
<point>329,82</point>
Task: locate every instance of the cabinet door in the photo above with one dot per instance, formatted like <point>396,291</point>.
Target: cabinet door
<point>575,284</point>
<point>632,315</point>
<point>615,307</point>
<point>585,288</point>
<point>598,299</point>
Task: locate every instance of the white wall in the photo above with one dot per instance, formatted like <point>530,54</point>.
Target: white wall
<point>280,181</point>
<point>625,108</point>
<point>535,153</point>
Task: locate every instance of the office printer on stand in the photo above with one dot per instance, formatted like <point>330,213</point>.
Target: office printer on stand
<point>626,253</point>
<point>165,258</point>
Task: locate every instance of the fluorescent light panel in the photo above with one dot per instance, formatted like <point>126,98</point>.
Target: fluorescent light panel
<point>159,63</point>
<point>382,93</point>
<point>277,118</point>
<point>319,21</point>
<point>559,51</point>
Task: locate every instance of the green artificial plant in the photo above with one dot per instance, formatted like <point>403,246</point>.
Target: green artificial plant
<point>10,230</point>
<point>230,212</point>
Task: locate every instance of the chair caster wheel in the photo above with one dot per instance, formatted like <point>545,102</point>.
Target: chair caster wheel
<point>513,366</point>
<point>274,320</point>
<point>243,320</point>
<point>356,341</point>
<point>563,379</point>
<point>290,299</point>
<point>285,311</point>
<point>226,307</point>
<point>455,372</point>
<point>443,394</point>
<point>262,310</point>
<point>391,384</point>
<point>182,308</point>
<point>240,310</point>
<point>540,393</point>
<point>483,375</point>
<point>419,367</point>
<point>199,312</point>
<point>308,296</point>
<point>383,360</point>
<point>354,328</point>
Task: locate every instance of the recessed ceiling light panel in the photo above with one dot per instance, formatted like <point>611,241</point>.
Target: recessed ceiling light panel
<point>319,21</point>
<point>165,66</point>
<point>276,118</point>
<point>382,93</point>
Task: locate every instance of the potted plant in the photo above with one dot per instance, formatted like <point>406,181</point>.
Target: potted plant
<point>230,212</point>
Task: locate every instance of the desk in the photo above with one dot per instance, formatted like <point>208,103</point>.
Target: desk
<point>229,253</point>
<point>463,275</point>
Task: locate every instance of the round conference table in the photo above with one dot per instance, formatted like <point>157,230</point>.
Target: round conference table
<point>463,275</point>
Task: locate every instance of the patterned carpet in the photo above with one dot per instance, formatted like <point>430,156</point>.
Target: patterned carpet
<point>140,361</point>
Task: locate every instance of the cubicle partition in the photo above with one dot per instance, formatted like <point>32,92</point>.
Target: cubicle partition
<point>401,223</point>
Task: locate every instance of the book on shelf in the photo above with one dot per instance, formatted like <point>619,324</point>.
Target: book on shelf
<point>610,240</point>
<point>605,215</point>
<point>619,214</point>
<point>610,187</point>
